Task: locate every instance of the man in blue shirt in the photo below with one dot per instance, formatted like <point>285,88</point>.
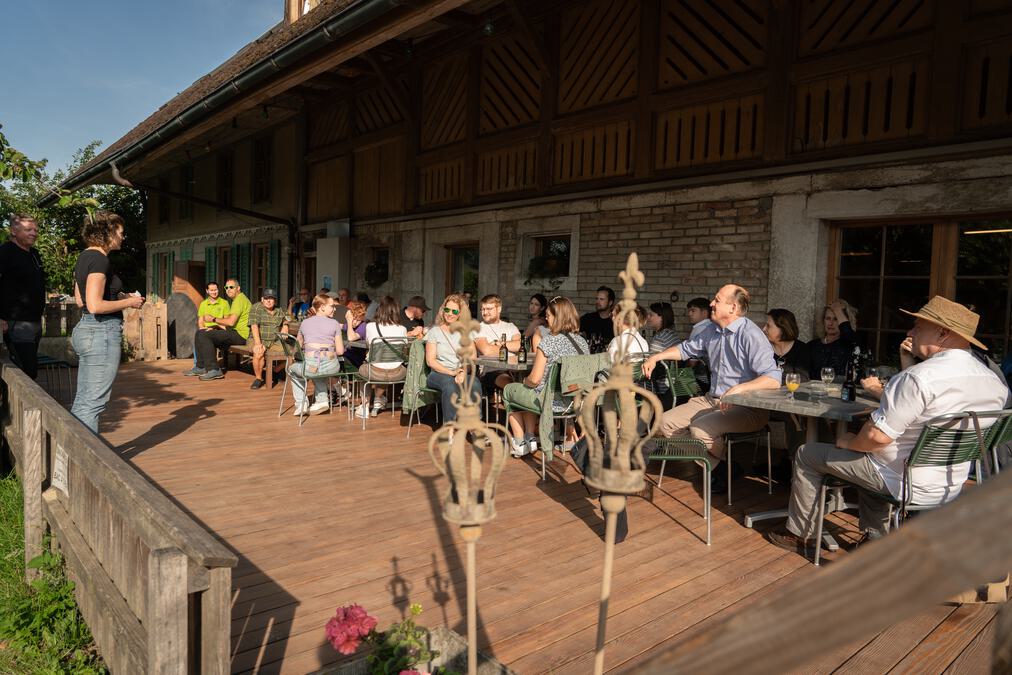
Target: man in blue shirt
<point>741,359</point>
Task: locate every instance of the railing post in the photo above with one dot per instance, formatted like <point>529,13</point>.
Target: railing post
<point>31,480</point>
<point>167,612</point>
<point>215,622</point>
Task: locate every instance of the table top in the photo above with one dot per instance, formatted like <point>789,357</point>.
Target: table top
<point>493,363</point>
<point>828,407</point>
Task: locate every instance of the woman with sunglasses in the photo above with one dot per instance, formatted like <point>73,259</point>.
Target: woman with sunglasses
<point>441,345</point>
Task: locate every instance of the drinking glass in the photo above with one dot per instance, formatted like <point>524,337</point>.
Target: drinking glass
<point>827,376</point>
<point>792,381</point>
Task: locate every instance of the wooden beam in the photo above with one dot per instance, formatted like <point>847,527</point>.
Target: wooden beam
<point>392,87</point>
<point>333,80</point>
<point>456,18</point>
<point>529,35</point>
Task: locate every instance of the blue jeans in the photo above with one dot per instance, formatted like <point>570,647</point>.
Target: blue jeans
<point>448,387</point>
<point>316,366</point>
<point>97,341</point>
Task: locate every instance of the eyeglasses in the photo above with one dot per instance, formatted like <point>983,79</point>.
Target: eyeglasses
<point>229,288</point>
<point>447,310</point>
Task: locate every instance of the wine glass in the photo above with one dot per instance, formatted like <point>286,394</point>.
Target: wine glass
<point>792,381</point>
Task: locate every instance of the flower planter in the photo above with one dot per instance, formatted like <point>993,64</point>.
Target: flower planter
<point>452,648</point>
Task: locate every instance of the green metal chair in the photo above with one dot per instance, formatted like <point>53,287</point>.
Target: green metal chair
<point>944,441</point>
<point>686,449</point>
<point>416,395</point>
<point>681,381</point>
<point>384,350</point>
<point>552,389</point>
<point>293,355</point>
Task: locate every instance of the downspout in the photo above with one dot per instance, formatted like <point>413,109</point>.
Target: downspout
<point>351,18</point>
<point>120,180</point>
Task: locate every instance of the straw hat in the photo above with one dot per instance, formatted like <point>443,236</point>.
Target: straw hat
<point>950,315</point>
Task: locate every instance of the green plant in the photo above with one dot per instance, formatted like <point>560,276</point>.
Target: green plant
<point>45,626</point>
<point>377,273</point>
<point>546,270</point>
<point>401,646</point>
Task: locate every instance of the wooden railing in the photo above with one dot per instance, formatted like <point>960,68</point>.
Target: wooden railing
<point>929,560</point>
<point>152,584</point>
<point>146,330</point>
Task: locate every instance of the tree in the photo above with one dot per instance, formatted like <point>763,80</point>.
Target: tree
<point>24,183</point>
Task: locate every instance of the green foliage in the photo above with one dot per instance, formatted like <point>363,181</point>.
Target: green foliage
<point>400,647</point>
<point>24,183</point>
<point>40,626</point>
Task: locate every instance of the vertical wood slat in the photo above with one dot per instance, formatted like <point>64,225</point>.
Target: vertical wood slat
<point>708,133</point>
<point>167,612</point>
<point>441,181</point>
<point>31,478</point>
<point>597,152</point>
<point>215,622</point>
<point>987,99</point>
<point>507,169</point>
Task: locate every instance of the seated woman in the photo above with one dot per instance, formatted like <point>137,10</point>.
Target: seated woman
<point>562,340</point>
<point>356,327</point>
<point>781,329</point>
<point>537,327</point>
<point>320,337</point>
<point>635,345</point>
<point>386,325</point>
<point>441,345</point>
<point>834,348</point>
<point>661,319</point>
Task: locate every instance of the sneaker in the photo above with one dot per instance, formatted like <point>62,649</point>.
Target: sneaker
<point>319,407</point>
<point>301,410</point>
<point>518,447</point>
<point>195,371</point>
<point>378,405</point>
<point>532,443</point>
<point>362,411</point>
<point>212,375</point>
<point>257,383</point>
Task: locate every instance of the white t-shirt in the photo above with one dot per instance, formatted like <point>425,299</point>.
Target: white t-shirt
<point>949,382</point>
<point>389,331</point>
<point>494,331</point>
<point>636,346</point>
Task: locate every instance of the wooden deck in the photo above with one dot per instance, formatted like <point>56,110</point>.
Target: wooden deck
<point>327,515</point>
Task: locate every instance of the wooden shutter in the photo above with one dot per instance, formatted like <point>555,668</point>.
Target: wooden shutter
<point>274,266</point>
<point>210,264</point>
<point>170,268</point>
<point>154,275</point>
<point>244,268</point>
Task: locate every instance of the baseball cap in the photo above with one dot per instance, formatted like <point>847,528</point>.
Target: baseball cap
<point>269,293</point>
<point>419,302</point>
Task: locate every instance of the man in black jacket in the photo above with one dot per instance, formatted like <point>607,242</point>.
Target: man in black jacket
<point>22,293</point>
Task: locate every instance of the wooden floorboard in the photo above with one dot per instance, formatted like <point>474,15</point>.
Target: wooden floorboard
<point>328,514</point>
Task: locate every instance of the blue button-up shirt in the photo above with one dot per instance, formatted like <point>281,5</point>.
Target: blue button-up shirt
<point>739,353</point>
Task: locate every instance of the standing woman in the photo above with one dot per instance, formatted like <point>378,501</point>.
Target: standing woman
<point>97,336</point>
<point>441,345</point>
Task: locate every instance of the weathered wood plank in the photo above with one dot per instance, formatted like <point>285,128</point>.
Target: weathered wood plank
<point>31,481</point>
<point>167,612</point>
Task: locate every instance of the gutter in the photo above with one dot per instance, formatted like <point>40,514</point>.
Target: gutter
<point>351,18</point>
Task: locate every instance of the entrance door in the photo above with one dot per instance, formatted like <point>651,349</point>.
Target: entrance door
<point>462,275</point>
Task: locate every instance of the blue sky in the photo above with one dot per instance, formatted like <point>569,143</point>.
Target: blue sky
<point>73,71</point>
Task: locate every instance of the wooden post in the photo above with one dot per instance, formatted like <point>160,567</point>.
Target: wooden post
<point>31,480</point>
<point>167,612</point>
<point>612,506</point>
<point>471,534</point>
<point>1001,661</point>
<point>215,618</point>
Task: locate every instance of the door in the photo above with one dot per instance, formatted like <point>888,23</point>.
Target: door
<point>462,275</point>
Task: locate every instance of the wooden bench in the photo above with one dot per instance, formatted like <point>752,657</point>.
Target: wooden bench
<point>243,352</point>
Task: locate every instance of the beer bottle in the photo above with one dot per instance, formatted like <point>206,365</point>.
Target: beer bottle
<point>849,390</point>
<point>522,354</point>
<point>503,352</point>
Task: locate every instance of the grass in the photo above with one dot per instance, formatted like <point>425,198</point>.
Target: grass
<point>41,631</point>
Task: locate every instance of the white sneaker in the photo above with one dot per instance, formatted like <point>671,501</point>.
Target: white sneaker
<point>362,411</point>
<point>378,405</point>
<point>301,410</point>
<point>518,447</point>
<point>319,407</point>
<point>532,443</point>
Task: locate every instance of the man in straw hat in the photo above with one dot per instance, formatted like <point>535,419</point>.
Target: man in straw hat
<point>949,379</point>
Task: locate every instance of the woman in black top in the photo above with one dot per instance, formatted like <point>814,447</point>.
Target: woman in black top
<point>97,337</point>
<point>791,354</point>
<point>834,348</point>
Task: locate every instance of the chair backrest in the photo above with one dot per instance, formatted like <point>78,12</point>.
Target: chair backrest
<point>681,381</point>
<point>291,347</point>
<point>953,439</point>
<point>388,349</point>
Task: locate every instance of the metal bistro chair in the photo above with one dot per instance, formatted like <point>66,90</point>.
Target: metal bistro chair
<point>56,370</point>
<point>687,449</point>
<point>553,388</point>
<point>944,441</point>
<point>415,394</point>
<point>293,355</point>
<point>384,350</point>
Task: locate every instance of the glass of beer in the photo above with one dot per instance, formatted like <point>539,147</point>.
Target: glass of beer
<point>792,381</point>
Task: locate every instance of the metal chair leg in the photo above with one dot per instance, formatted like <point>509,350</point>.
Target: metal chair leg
<point>728,462</point>
<point>660,478</point>
<point>281,406</point>
<point>769,465</point>
<point>818,524</point>
<point>706,502</point>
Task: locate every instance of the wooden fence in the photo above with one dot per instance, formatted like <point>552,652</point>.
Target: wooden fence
<point>152,584</point>
<point>146,330</point>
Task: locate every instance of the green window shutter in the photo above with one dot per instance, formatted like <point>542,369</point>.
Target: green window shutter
<point>235,266</point>
<point>274,266</point>
<point>154,274</point>
<point>244,269</point>
<point>210,255</point>
<point>169,273</point>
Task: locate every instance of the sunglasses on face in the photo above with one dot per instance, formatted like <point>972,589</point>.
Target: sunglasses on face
<point>229,288</point>
<point>447,310</point>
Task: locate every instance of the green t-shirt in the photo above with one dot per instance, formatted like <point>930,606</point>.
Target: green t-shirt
<point>241,306</point>
<point>217,308</point>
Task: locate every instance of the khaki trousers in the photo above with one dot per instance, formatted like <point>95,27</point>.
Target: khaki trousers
<point>702,418</point>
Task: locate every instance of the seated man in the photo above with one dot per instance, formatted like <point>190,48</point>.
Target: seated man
<point>265,322</point>
<point>299,306</point>
<point>235,331</point>
<point>949,380</point>
<point>741,359</point>
<point>212,307</point>
<point>412,316</point>
<point>490,339</point>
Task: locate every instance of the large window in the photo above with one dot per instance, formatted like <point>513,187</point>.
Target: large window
<point>261,267</point>
<point>226,265</point>
<point>881,268</point>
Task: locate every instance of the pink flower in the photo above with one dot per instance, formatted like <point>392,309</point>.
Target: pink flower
<point>347,627</point>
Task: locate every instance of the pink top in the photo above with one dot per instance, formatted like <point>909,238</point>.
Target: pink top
<point>318,330</point>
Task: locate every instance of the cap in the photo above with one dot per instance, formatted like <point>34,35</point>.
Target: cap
<point>269,293</point>
<point>419,302</point>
